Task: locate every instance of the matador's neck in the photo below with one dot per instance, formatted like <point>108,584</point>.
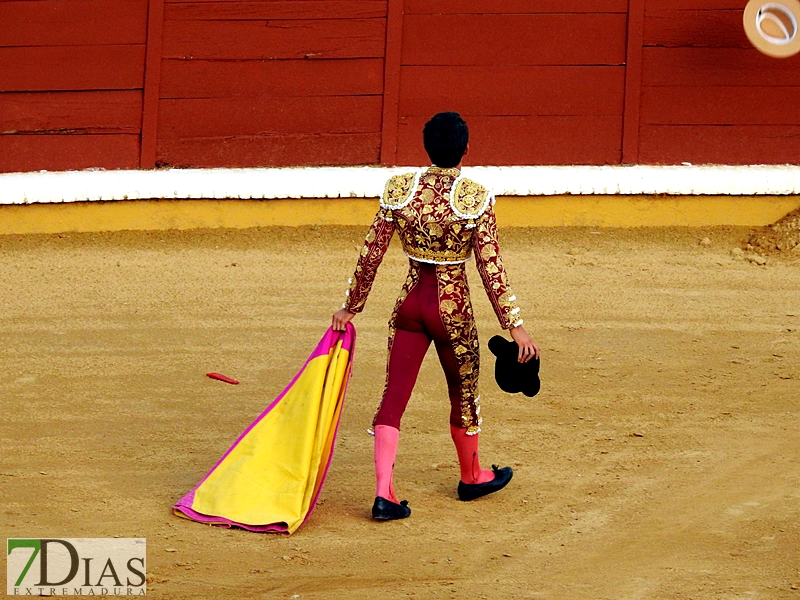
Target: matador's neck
<point>454,171</point>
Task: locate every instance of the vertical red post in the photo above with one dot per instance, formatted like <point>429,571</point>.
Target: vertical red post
<point>633,82</point>
<point>391,81</point>
<point>152,80</point>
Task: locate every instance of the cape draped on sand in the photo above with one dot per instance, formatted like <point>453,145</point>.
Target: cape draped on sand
<point>270,478</point>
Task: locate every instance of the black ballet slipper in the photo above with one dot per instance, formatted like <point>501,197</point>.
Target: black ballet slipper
<point>386,510</point>
<point>511,375</point>
<point>471,491</point>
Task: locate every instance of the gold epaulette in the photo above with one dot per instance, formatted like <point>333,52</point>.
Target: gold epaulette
<point>469,199</point>
<point>399,191</point>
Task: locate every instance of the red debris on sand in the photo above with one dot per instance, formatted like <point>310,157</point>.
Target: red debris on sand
<point>222,377</point>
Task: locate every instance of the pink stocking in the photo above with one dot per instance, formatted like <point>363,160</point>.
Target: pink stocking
<point>386,438</point>
<point>467,450</point>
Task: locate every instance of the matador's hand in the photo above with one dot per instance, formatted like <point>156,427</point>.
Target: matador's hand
<point>341,318</point>
<point>527,347</point>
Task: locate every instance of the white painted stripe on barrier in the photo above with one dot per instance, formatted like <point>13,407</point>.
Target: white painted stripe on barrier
<point>688,180</point>
<point>368,182</point>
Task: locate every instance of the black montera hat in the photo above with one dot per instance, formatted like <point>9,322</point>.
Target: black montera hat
<point>513,376</point>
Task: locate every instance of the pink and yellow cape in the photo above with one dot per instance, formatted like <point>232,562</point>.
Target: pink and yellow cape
<point>270,478</point>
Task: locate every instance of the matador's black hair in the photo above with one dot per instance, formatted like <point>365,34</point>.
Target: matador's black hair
<point>445,137</point>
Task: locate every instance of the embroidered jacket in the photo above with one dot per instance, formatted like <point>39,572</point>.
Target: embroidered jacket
<point>441,218</point>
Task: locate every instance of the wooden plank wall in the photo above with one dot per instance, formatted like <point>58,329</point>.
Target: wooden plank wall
<point>211,83</point>
<point>71,78</point>
<point>707,95</point>
<point>538,82</point>
<point>284,82</point>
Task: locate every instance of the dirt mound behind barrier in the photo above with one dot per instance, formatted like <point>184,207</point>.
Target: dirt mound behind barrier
<point>780,237</point>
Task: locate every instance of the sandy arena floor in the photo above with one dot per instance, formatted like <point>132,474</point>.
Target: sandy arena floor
<point>660,461</point>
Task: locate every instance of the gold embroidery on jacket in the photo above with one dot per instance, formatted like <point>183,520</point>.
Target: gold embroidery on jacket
<point>469,199</point>
<point>490,267</point>
<point>429,229</point>
<point>455,308</point>
<point>439,258</point>
<point>398,191</point>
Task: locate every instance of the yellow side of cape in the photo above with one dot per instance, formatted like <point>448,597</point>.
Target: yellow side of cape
<point>274,472</point>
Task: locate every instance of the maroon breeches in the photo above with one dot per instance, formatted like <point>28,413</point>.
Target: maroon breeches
<point>417,324</point>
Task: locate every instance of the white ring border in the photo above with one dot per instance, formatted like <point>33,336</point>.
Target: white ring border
<point>369,182</point>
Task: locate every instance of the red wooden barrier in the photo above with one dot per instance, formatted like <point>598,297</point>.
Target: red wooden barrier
<point>72,22</point>
<point>222,79</point>
<point>71,76</point>
<point>127,83</point>
<point>525,140</point>
<point>74,112</point>
<point>513,7</point>
<point>707,95</point>
<point>631,116</point>
<point>152,84</point>
<point>671,28</point>
<point>706,144</point>
<point>541,39</point>
<point>273,149</point>
<point>273,40</point>
<point>540,86</point>
<point>391,82</point>
<point>220,10</point>
<point>710,67</point>
<point>272,83</point>
<point>513,90</point>
<point>51,68</point>
<point>219,117</point>
<point>64,152</point>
